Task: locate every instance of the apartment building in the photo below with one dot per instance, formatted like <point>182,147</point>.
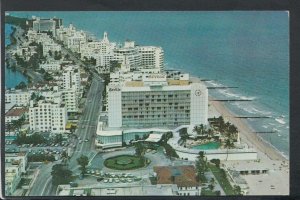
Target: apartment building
<point>152,57</point>
<point>47,116</point>
<point>15,165</point>
<point>51,65</point>
<point>71,78</point>
<point>18,97</point>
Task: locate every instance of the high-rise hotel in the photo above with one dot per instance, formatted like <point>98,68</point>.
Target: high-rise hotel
<point>157,101</point>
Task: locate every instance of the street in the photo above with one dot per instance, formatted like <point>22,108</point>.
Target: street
<point>85,130</point>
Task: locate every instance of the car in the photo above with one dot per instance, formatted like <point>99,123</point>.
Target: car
<point>110,180</point>
<point>105,180</point>
<point>73,184</point>
<point>86,140</point>
<point>80,141</point>
<point>117,180</point>
<point>56,145</point>
<point>99,179</point>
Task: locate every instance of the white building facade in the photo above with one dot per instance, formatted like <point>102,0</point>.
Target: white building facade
<point>47,116</point>
<point>15,165</point>
<point>156,101</point>
<point>71,78</point>
<point>18,97</point>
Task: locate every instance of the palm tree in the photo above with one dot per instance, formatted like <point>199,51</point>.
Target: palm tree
<point>237,190</point>
<point>228,145</point>
<point>210,132</point>
<point>195,129</point>
<point>212,184</point>
<point>140,151</point>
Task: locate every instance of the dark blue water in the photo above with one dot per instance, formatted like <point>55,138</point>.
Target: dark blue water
<point>245,49</point>
<point>11,78</point>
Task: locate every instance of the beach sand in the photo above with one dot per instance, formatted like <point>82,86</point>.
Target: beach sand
<point>268,156</point>
<point>247,134</point>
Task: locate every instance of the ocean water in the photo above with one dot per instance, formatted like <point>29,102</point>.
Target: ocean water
<point>249,50</point>
<point>12,79</point>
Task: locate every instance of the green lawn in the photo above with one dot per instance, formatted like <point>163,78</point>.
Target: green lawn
<point>222,179</point>
<point>125,162</point>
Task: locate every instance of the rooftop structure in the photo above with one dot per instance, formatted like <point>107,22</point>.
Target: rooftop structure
<point>183,176</point>
<point>121,190</point>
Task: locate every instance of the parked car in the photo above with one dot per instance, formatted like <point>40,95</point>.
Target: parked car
<point>73,184</point>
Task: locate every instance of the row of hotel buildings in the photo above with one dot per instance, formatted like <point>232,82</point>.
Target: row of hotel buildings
<point>141,94</point>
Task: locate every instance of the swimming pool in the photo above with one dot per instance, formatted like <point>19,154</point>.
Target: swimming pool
<point>209,145</point>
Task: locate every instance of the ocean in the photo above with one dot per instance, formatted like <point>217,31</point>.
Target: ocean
<point>247,49</point>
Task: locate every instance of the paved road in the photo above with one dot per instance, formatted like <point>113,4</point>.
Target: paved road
<point>42,181</point>
<point>86,130</point>
<point>88,122</point>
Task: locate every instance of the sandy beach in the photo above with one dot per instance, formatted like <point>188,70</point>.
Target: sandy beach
<point>277,180</point>
<point>247,134</point>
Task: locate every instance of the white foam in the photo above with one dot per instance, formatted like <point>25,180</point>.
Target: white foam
<point>280,120</point>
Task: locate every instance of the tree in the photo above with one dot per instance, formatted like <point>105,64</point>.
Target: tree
<point>136,137</point>
<point>73,128</point>
<point>83,161</point>
<point>201,166</point>
<point>67,57</point>
<point>42,70</point>
<point>21,85</point>
<point>58,138</point>
<point>237,190</point>
<point>64,157</point>
<point>60,175</point>
<point>170,152</point>
<point>228,145</point>
<point>47,76</point>
<point>50,53</point>
<point>140,149</point>
<point>211,187</point>
<point>33,96</point>
<point>212,184</point>
<point>216,162</point>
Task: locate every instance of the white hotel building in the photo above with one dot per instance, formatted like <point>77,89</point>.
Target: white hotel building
<point>151,103</point>
<point>157,101</point>
<point>140,57</point>
<point>71,78</point>
<point>47,116</point>
<point>18,97</point>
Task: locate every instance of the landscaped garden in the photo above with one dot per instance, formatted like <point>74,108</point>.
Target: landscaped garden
<point>126,162</point>
<point>222,179</point>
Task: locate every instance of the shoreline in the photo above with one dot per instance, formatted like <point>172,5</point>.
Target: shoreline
<point>29,75</point>
<point>245,130</point>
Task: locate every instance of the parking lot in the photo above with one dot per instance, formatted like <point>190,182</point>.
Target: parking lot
<point>49,147</point>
